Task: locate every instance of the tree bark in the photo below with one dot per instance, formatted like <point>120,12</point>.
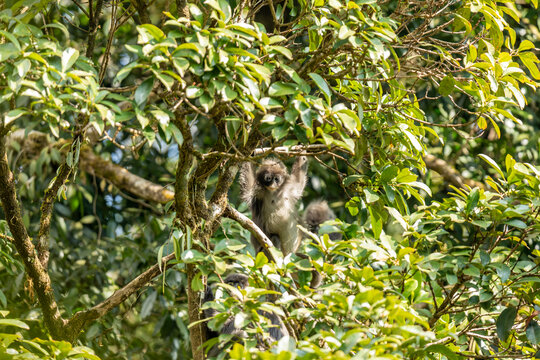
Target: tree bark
<point>123,179</point>
<point>39,276</point>
<point>196,332</point>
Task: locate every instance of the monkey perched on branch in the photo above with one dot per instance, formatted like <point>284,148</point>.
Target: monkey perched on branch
<point>272,194</point>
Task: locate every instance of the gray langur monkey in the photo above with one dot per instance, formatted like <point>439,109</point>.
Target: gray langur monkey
<point>272,194</point>
<point>276,332</point>
<point>315,214</point>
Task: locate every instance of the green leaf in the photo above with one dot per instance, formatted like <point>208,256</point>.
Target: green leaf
<point>396,215</point>
<point>22,67</point>
<point>405,176</point>
<point>516,223</point>
<point>503,271</point>
<point>191,256</point>
<point>525,45</point>
<point>207,102</point>
<point>148,304</point>
<point>193,92</point>
<point>141,118</point>
<point>533,332</point>
<point>371,196</point>
<point>259,71</point>
<point>350,120</point>
<point>376,222</point>
<point>509,162</point>
<point>505,321</point>
<point>180,64</point>
<point>281,89</point>
<point>472,271</point>
<point>421,185</point>
<point>451,278</point>
<point>447,85</point>
<point>442,349</point>
<point>530,60</point>
<point>351,179</point>
<point>472,200</point>
<point>518,95</point>
<point>322,85</point>
<point>177,134</point>
<point>153,31</point>
<point>124,72</point>
<point>142,92</point>
<point>229,94</point>
<point>166,80</point>
<point>492,163</point>
<point>260,260</point>
<point>69,56</point>
<point>472,54</point>
<point>12,39</point>
<point>282,50</point>
<point>13,322</point>
<point>7,51</point>
<point>13,115</point>
<point>521,168</point>
<point>389,173</point>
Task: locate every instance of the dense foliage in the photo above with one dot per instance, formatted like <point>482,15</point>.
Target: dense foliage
<point>122,129</point>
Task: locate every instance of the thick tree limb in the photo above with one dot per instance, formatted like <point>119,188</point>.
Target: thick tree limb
<point>448,173</point>
<point>123,179</point>
<point>47,206</point>
<point>183,169</point>
<point>46,213</point>
<point>40,278</point>
<point>33,142</point>
<point>186,217</point>
<point>82,318</point>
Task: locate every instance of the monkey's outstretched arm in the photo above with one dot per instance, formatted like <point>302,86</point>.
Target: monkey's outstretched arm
<point>247,182</point>
<point>298,178</point>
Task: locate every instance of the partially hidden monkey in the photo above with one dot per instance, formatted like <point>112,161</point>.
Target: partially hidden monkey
<point>276,332</point>
<point>272,194</point>
<point>315,214</point>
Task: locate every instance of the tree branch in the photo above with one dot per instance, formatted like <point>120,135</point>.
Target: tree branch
<point>122,178</point>
<point>47,209</point>
<point>183,169</point>
<point>248,224</point>
<point>294,150</point>
<point>448,173</point>
<point>82,318</point>
<point>93,26</point>
<point>39,276</point>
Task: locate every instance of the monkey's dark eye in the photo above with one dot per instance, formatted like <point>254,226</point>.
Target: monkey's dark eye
<point>277,179</point>
<point>268,178</point>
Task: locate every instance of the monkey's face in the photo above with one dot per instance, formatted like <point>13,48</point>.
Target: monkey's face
<point>271,180</point>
